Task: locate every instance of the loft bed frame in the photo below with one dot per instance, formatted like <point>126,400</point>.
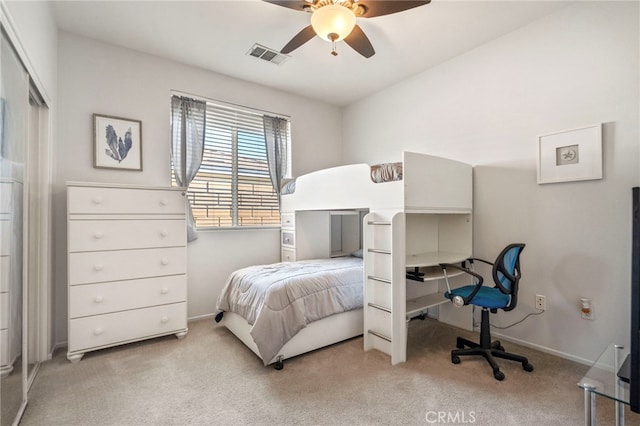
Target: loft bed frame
<point>433,200</point>
<point>420,190</point>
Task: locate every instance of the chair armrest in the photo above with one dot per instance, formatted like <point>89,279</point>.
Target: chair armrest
<point>472,259</point>
<point>477,276</point>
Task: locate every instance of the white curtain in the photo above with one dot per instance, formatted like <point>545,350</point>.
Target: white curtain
<point>275,137</point>
<point>188,118</point>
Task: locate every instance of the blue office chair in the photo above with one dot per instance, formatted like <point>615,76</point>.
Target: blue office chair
<point>506,275</point>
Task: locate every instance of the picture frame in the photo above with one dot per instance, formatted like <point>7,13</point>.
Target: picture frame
<point>117,143</point>
<point>570,155</point>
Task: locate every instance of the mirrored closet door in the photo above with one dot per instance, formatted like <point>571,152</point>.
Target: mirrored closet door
<point>14,130</point>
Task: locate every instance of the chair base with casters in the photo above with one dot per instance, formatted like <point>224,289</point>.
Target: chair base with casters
<point>489,350</point>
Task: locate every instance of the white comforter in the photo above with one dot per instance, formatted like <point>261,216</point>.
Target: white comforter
<point>279,300</point>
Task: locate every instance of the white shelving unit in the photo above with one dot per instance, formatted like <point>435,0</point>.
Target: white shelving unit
<point>391,245</point>
<point>319,234</point>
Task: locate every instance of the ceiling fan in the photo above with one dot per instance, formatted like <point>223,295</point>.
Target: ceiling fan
<point>335,20</point>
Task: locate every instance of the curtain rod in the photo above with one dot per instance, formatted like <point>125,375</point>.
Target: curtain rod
<point>204,98</point>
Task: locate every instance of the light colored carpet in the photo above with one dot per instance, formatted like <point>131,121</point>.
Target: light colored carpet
<point>211,378</point>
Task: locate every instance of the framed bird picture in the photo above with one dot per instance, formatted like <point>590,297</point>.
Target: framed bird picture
<point>117,143</point>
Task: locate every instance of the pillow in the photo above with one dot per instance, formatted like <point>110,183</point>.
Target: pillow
<point>357,253</point>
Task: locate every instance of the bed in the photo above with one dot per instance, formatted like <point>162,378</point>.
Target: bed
<point>419,214</point>
<point>265,306</point>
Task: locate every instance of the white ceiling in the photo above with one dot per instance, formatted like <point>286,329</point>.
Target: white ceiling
<point>216,35</point>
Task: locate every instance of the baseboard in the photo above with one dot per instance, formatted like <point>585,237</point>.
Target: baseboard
<point>200,317</point>
<point>57,346</point>
<point>543,349</point>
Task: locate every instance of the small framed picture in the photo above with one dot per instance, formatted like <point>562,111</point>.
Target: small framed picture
<point>117,143</point>
<point>570,155</point>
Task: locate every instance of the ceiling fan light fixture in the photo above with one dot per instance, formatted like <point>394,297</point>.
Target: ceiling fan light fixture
<point>333,22</point>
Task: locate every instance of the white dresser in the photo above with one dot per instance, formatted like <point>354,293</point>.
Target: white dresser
<point>10,274</point>
<point>126,265</point>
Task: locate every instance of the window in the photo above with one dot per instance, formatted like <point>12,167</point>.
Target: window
<point>232,187</point>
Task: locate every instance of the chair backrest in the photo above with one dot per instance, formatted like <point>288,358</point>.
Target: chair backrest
<point>506,272</point>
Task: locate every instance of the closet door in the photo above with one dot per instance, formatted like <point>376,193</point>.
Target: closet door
<point>14,119</point>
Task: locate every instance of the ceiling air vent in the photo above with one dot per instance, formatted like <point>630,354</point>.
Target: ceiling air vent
<point>267,54</point>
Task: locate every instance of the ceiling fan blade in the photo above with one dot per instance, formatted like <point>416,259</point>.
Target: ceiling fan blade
<point>292,4</point>
<point>359,42</point>
<point>301,38</point>
<point>374,8</point>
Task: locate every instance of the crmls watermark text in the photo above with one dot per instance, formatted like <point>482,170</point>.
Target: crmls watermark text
<point>450,417</point>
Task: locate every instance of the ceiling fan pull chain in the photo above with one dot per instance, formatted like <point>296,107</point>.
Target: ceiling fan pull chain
<point>333,37</point>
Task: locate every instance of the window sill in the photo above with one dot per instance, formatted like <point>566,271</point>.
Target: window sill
<point>237,228</point>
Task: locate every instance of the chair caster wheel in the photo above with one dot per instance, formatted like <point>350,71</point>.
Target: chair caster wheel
<point>499,375</point>
<point>500,348</point>
<point>527,367</point>
<point>455,359</point>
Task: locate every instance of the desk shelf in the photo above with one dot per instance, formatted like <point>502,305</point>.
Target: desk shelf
<point>432,273</point>
<point>434,258</point>
<point>419,305</point>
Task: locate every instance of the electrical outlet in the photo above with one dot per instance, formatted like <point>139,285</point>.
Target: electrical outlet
<point>587,308</point>
<point>541,302</point>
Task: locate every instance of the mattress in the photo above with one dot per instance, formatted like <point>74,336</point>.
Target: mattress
<point>280,299</point>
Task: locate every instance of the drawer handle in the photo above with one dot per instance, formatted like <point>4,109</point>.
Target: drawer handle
<point>98,235</point>
<point>98,331</point>
<point>287,240</point>
<point>164,234</point>
<point>98,267</point>
<point>96,200</point>
<point>165,261</point>
<point>164,290</point>
<point>164,202</point>
<point>99,299</point>
<point>164,319</point>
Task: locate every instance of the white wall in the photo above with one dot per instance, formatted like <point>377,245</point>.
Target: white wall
<point>37,34</point>
<point>577,67</point>
<point>101,78</point>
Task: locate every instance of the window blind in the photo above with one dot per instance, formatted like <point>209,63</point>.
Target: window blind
<point>232,186</point>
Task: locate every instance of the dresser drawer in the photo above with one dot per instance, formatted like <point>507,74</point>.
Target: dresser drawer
<point>121,327</point>
<point>288,220</point>
<point>6,194</point>
<point>96,299</point>
<point>4,347</point>
<point>288,238</point>
<point>288,255</point>
<point>102,266</point>
<point>97,200</point>
<point>4,273</point>
<point>4,310</point>
<point>94,235</point>
<point>7,234</point>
